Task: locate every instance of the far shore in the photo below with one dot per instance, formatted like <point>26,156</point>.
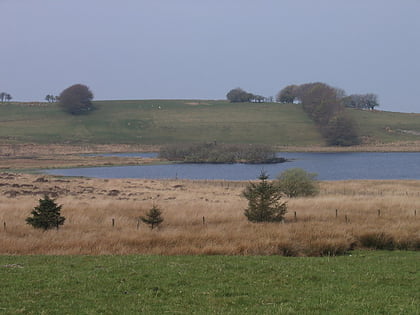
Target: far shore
<point>23,157</point>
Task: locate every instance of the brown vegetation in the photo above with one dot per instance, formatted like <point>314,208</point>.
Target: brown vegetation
<point>35,156</point>
<point>205,217</point>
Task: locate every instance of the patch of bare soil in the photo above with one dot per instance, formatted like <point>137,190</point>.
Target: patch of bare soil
<point>196,103</point>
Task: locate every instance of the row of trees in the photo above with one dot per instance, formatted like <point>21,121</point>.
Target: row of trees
<point>361,101</point>
<point>5,97</point>
<point>239,95</point>
<point>294,93</point>
<point>51,98</point>
<point>325,105</point>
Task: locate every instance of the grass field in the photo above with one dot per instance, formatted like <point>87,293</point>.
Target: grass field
<point>387,127</point>
<point>159,122</point>
<point>168,121</point>
<point>362,283</point>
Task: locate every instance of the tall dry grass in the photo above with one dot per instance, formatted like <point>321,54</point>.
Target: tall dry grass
<point>311,229</point>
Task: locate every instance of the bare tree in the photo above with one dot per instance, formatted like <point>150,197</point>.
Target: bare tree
<point>361,101</point>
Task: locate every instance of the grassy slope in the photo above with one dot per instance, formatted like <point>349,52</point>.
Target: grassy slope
<point>365,282</point>
<point>387,126</point>
<point>178,121</point>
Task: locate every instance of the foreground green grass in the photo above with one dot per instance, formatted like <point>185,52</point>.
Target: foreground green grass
<point>177,121</point>
<point>365,282</point>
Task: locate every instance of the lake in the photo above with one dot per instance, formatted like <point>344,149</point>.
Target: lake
<point>328,166</point>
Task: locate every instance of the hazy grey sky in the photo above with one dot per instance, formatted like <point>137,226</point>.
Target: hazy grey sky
<point>135,49</point>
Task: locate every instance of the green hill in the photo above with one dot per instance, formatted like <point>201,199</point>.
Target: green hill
<point>169,121</point>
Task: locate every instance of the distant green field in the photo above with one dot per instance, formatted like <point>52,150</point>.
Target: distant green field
<point>171,121</point>
<point>387,126</point>
<point>363,283</point>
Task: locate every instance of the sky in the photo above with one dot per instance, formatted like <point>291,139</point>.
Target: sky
<point>200,49</point>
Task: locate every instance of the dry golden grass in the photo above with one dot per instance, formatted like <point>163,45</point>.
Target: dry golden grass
<point>90,205</point>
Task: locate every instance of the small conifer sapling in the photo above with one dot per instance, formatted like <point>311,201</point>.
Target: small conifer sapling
<point>153,217</point>
<point>264,203</point>
<point>46,215</point>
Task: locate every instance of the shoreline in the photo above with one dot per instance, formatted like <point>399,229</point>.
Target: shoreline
<point>30,157</point>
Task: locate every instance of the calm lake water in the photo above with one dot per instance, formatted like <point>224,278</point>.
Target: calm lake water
<point>328,166</point>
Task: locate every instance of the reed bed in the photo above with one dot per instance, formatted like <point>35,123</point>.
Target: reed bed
<point>205,217</point>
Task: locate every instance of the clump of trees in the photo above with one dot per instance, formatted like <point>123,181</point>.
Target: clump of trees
<point>325,106</point>
<point>297,182</point>
<point>294,93</point>
<point>288,94</point>
<point>5,97</point>
<point>264,203</point>
<point>46,215</point>
<point>51,98</point>
<point>220,153</point>
<point>361,101</point>
<point>239,95</point>
<point>76,99</point>
<point>153,217</point>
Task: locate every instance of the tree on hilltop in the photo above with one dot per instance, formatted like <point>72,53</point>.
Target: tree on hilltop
<point>51,98</point>
<point>5,97</point>
<point>76,99</point>
<point>287,94</point>
<point>361,101</point>
<point>238,95</point>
